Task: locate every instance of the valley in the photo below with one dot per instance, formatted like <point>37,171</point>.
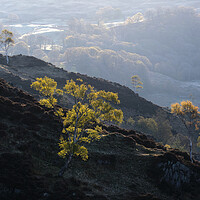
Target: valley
<point>86,89</point>
<point>167,75</point>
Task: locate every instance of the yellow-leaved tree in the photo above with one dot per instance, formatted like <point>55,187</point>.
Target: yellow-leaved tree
<point>189,115</point>
<point>6,41</point>
<point>137,83</point>
<point>81,123</point>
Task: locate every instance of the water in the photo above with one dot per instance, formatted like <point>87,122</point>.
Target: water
<point>34,29</point>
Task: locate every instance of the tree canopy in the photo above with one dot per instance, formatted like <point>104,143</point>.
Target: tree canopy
<point>6,41</point>
<point>189,115</point>
<point>137,83</point>
<point>81,123</point>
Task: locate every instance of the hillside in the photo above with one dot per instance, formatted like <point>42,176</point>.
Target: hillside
<point>122,165</point>
<point>22,70</point>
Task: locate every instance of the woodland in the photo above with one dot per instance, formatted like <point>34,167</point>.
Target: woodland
<point>161,46</point>
<point>118,91</point>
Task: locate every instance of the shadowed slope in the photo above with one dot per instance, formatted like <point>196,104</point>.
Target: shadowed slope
<point>122,165</point>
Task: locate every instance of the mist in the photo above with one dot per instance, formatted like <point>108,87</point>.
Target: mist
<point>114,40</point>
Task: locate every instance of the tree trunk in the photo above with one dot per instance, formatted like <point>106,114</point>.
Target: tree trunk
<point>63,169</point>
<point>191,150</point>
<point>7,60</point>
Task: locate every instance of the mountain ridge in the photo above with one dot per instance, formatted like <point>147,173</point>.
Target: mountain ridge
<point>29,68</point>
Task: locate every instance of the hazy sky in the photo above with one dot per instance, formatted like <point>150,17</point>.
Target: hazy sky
<point>55,10</point>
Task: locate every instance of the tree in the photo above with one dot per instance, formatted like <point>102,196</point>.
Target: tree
<point>135,18</point>
<point>189,115</point>
<point>179,141</point>
<point>163,133</point>
<point>6,41</point>
<point>130,121</point>
<point>81,123</point>
<point>148,125</point>
<point>137,83</point>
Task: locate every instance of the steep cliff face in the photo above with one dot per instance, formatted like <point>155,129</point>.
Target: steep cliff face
<point>122,165</point>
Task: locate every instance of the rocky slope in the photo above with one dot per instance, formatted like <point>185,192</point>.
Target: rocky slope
<point>122,165</point>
